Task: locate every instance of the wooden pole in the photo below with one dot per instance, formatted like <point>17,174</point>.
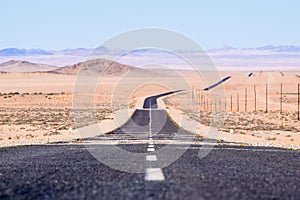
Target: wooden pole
<point>196,98</point>
<point>266,97</point>
<point>193,93</point>
<point>280,97</point>
<point>231,103</point>
<point>298,101</point>
<point>245,99</point>
<point>215,101</point>
<point>205,101</point>
<point>254,98</point>
<point>200,100</point>
<point>238,103</point>
<point>208,100</point>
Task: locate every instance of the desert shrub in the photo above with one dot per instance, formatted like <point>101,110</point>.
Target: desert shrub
<point>271,138</point>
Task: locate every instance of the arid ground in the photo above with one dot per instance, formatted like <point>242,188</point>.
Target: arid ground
<point>37,107</point>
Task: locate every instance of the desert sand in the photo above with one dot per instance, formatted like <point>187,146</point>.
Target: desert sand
<point>244,119</point>
<point>36,108</point>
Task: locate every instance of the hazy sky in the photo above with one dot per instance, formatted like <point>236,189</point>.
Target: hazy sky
<point>60,24</point>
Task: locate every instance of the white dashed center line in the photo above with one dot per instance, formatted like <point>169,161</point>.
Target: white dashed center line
<point>151,158</point>
<point>154,174</point>
<point>150,149</point>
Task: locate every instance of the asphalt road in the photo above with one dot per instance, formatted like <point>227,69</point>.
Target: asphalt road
<point>151,102</point>
<point>70,171</point>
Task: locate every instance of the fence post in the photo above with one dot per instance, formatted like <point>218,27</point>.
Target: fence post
<point>193,93</point>
<point>298,101</point>
<point>215,102</point>
<point>280,97</point>
<point>238,102</point>
<point>197,99</point>
<point>254,98</point>
<point>245,99</point>
<point>207,103</point>
<point>203,100</point>
<point>231,103</point>
<point>200,94</point>
<point>266,97</point>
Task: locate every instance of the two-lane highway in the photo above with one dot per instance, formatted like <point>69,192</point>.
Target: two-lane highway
<point>227,172</point>
<point>69,171</point>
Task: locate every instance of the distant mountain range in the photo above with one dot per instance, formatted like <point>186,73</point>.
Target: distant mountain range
<point>268,57</point>
<point>104,50</point>
<point>42,52</point>
<point>268,48</point>
<point>23,52</point>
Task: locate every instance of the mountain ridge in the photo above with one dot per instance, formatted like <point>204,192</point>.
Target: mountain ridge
<point>95,67</point>
<point>104,50</point>
<point>24,66</point>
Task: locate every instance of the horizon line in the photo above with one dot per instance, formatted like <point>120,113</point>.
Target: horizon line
<point>90,48</point>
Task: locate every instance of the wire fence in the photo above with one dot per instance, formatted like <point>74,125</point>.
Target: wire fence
<point>251,99</point>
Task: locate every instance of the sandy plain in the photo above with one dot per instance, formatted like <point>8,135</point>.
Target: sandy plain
<point>36,108</point>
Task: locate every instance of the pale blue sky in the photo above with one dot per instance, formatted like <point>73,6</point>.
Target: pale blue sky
<point>60,24</point>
